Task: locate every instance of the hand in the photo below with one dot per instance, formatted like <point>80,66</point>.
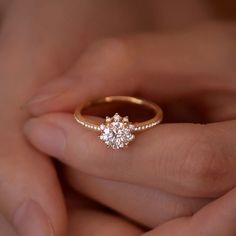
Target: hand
<point>88,218</point>
<point>217,218</point>
<point>189,163</point>
<point>39,41</point>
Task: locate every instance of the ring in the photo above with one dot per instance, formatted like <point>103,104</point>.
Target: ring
<point>117,132</point>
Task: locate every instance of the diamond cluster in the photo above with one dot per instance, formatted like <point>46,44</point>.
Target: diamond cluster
<point>117,132</point>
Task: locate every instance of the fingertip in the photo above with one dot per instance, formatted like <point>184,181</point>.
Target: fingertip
<point>45,136</point>
<point>51,97</point>
<point>30,219</point>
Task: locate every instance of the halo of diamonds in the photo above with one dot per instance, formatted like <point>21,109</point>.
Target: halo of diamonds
<point>117,131</point>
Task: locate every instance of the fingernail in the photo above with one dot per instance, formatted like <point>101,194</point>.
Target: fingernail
<point>45,136</point>
<point>39,99</point>
<point>31,220</point>
<point>50,91</point>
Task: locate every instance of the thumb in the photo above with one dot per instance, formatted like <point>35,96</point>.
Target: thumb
<point>217,218</point>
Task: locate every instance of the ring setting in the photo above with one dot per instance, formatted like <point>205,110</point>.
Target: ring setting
<point>117,131</point>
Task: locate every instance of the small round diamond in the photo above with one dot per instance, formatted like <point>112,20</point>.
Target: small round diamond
<point>117,133</point>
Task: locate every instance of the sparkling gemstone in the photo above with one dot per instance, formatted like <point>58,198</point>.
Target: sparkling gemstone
<point>117,131</point>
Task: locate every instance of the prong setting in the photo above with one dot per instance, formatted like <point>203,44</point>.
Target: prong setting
<point>117,132</point>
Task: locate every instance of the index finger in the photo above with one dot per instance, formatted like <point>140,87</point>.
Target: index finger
<point>186,159</point>
<point>161,67</point>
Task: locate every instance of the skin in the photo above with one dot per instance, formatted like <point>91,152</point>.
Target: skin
<point>191,161</point>
<point>34,48</point>
<point>24,26</point>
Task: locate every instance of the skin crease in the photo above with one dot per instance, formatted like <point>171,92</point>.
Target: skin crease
<point>204,168</point>
<point>28,26</point>
<point>84,153</point>
<point>24,26</point>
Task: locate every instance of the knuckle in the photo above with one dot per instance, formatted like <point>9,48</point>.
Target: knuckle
<point>206,167</point>
<point>114,52</point>
<point>110,61</point>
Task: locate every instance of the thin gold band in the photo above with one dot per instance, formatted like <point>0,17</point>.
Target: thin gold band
<point>138,126</point>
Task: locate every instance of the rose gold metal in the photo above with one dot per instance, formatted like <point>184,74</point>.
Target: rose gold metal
<point>138,126</point>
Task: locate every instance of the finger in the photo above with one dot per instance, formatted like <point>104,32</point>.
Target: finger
<point>6,228</point>
<point>129,200</point>
<point>27,176</point>
<point>218,219</point>
<point>161,67</point>
<point>186,159</point>
<point>87,219</point>
<point>30,192</point>
<point>86,222</point>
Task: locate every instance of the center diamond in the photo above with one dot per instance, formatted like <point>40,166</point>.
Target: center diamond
<point>117,131</point>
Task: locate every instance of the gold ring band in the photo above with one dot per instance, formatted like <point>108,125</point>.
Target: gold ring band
<point>118,131</point>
